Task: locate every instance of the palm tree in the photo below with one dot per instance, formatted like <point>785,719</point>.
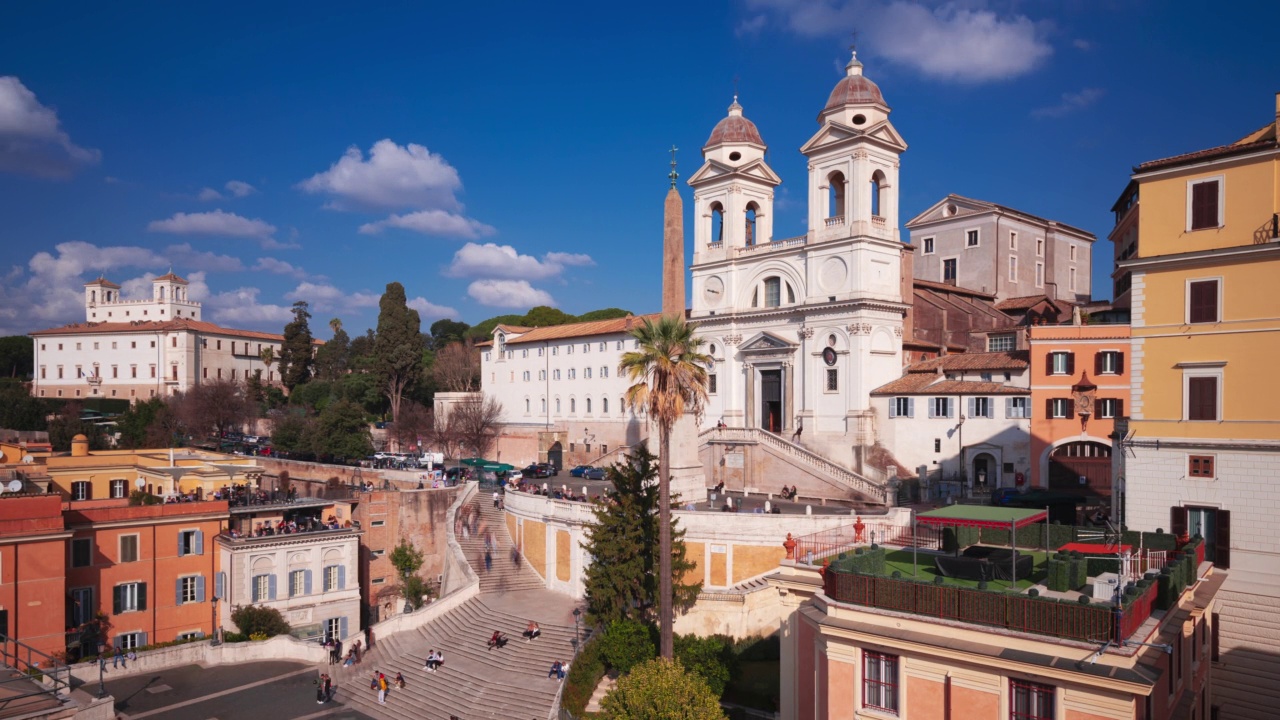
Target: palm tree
<point>668,372</point>
<point>268,356</point>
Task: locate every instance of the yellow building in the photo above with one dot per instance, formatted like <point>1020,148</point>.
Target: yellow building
<point>1201,275</point>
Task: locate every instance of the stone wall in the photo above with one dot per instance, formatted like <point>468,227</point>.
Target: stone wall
<point>202,652</point>
<point>387,517</point>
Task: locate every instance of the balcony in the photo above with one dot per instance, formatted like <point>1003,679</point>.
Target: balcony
<point>238,540</point>
<point>831,222</point>
<point>775,245</point>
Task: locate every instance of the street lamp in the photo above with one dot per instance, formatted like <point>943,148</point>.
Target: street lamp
<point>577,612</point>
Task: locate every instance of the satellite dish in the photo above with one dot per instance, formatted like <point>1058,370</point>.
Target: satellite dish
<point>27,459</point>
<point>140,483</point>
<point>15,486</point>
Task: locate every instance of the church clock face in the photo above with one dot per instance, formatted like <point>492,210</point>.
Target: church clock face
<point>829,356</point>
<point>713,290</point>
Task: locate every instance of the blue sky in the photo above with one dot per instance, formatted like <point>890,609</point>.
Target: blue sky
<point>495,156</point>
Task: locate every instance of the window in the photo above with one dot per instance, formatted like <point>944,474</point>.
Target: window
<point>880,681</point>
<point>1030,701</point>
<point>604,371</point>
<point>1108,362</point>
<point>264,588</point>
<point>971,238</point>
<point>1039,274</point>
<point>573,374</point>
<point>568,349</point>
<point>299,583</point>
<point>1039,247</point>
<point>1202,301</point>
<point>941,407</point>
<point>526,406</point>
<point>1013,240</point>
<point>128,549</point>
<point>928,245</point>
<point>1004,342</point>
<point>1204,204</point>
<point>604,346</point>
<point>1071,280</point>
<point>1202,397</point>
<point>555,374</point>
<point>1110,408</point>
<point>619,347</point>
<point>557,406</point>
<point>133,371</point>
<point>82,607</point>
<point>131,641</point>
<point>902,407</point>
<point>190,589</point>
<point>81,552</point>
<point>711,384</point>
<point>190,542</point>
<point>1013,268</point>
<point>586,373</point>
<point>1200,466</point>
<point>772,292</point>
<point>525,376</point>
<point>604,407</point>
<point>1073,253</point>
<point>555,350</point>
<point>1017,407</point>
<point>949,270</point>
<point>542,374</point>
<point>59,372</point>
<point>119,489</point>
<point>129,597</point>
<point>1060,363</point>
<point>586,347</point>
<point>82,490</point>
<point>980,407</point>
<point>1059,408</point>
<point>573,405</point>
<point>833,380</point>
<point>524,353</point>
<point>1212,524</point>
<point>937,445</point>
<point>334,578</point>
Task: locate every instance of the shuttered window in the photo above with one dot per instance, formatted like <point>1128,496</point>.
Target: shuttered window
<point>1202,306</point>
<point>1204,205</point>
<point>1202,398</point>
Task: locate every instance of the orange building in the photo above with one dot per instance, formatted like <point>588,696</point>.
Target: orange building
<point>32,569</point>
<point>148,568</point>
<point>1079,388</point>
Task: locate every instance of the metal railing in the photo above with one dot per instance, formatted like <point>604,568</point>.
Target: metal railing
<point>876,492</point>
<point>813,549</point>
<point>45,674</point>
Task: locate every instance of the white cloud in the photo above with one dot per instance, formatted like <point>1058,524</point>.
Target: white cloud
<point>491,260</point>
<point>185,256</point>
<point>961,42</point>
<point>32,141</point>
<point>1082,45</point>
<point>217,222</point>
<point>431,222</point>
<point>1069,103</point>
<point>394,176</point>
<point>430,311</point>
<point>276,266</point>
<point>508,293</point>
<point>240,308</point>
<point>239,188</point>
<point>208,195</point>
<point>324,296</point>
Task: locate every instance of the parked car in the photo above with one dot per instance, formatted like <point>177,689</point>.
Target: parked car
<point>579,471</point>
<point>552,470</point>
<point>594,473</point>
<point>538,471</point>
<point>1004,495</point>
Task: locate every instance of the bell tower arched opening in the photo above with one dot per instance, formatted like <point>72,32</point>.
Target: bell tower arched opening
<point>752,211</point>
<point>836,208</point>
<point>717,222</point>
<point>877,193</point>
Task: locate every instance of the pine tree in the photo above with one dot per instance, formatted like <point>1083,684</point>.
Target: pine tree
<point>295,352</point>
<point>622,580</point>
<point>398,345</point>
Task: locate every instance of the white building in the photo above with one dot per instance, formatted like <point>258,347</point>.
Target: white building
<point>958,413</point>
<point>138,349</point>
<point>802,329</point>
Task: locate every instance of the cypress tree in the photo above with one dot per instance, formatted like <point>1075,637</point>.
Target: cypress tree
<point>295,352</point>
<point>398,346</point>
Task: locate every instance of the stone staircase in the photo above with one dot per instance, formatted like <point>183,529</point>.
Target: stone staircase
<point>474,682</point>
<point>875,490</point>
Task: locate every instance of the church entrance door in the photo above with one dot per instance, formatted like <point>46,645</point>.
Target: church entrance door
<point>771,400</point>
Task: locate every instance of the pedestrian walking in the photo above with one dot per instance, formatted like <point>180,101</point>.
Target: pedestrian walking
<point>328,687</point>
<point>497,499</point>
<point>488,561</point>
<point>320,689</point>
<point>795,437</point>
<point>382,689</point>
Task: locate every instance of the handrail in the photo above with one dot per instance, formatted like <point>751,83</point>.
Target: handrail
<point>19,656</point>
<point>876,491</point>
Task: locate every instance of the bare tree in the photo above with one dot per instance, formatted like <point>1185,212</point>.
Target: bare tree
<point>476,421</point>
<point>442,435</point>
<point>413,423</point>
<point>457,367</point>
<point>216,407</point>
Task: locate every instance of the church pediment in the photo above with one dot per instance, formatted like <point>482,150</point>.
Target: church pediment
<point>833,134</point>
<point>951,206</point>
<point>767,342</point>
<point>756,170</point>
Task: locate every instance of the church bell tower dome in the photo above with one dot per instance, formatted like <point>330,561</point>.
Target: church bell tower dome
<point>734,129</point>
<point>854,89</point>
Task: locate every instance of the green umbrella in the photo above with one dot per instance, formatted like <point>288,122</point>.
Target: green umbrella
<point>476,462</point>
<point>498,467</point>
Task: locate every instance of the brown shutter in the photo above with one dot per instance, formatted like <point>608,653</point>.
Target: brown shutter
<point>1204,205</point>
<point>1222,543</point>
<point>1048,363</point>
<point>1119,363</point>
<point>1097,364</point>
<point>1071,363</point>
<point>1178,521</point>
<point>1214,635</point>
<point>1119,408</point>
<point>1048,408</point>
<point>1202,403</point>
<point>1204,301</point>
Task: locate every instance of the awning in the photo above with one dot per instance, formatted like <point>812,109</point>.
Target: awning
<point>497,467</point>
<point>476,462</point>
<point>981,516</point>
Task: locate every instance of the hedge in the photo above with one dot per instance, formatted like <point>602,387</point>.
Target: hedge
<point>1059,575</point>
<point>955,539</point>
<point>584,675</point>
<point>866,561</point>
<point>1029,536</point>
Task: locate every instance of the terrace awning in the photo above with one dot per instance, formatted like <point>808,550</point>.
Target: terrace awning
<point>981,516</point>
<point>476,462</point>
<point>497,467</point>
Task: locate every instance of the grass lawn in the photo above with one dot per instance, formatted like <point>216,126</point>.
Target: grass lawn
<point>901,560</point>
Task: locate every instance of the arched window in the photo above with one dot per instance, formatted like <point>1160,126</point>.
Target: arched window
<point>877,193</point>
<point>604,406</point>
<point>544,406</point>
<point>835,195</point>
<point>161,292</point>
<point>712,349</point>
<point>751,223</point>
<point>526,406</point>
<point>772,292</point>
<point>573,405</point>
<point>588,406</point>
<point>717,222</point>
<point>557,406</point>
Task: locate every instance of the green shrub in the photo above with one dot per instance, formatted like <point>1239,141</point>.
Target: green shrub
<point>1097,566</point>
<point>866,561</point>
<point>1059,575</point>
<point>258,620</point>
<point>627,643</point>
<point>711,657</point>
<point>758,649</point>
<point>955,539</point>
<point>234,637</point>
<point>1060,535</point>
<point>584,675</point>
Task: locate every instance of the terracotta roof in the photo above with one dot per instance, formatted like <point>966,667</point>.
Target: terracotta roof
<point>1011,360</point>
<point>583,329</point>
<point>170,276</point>
<point>734,129</point>
<point>1260,139</point>
<point>930,384</point>
<point>854,90</point>
<point>1025,302</point>
<point>512,328</point>
<point>180,324</point>
<point>954,289</point>
<point>103,282</point>
<point>1005,208</point>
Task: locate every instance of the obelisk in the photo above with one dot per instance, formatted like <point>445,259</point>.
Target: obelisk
<point>687,478</point>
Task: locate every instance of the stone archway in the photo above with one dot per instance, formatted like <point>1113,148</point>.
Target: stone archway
<point>1079,466</point>
<point>985,471</point>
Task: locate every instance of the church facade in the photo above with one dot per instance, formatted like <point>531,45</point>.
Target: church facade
<point>802,329</point>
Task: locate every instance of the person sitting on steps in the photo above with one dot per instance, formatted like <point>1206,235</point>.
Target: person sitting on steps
<point>497,641</point>
<point>557,670</point>
<point>532,631</point>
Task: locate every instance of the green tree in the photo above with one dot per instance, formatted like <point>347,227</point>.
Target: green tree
<point>398,345</point>
<point>626,644</point>
<point>17,356</point>
<point>340,432</point>
<point>668,372</point>
<point>295,352</point>
<point>661,689</point>
<point>544,316</point>
<point>603,314</point>
<point>259,620</point>
<point>290,432</point>
<point>134,424</point>
<point>361,356</point>
<point>407,560</point>
<point>68,424</point>
<point>710,657</point>
<point>332,357</point>
<point>447,331</point>
<point>19,410</point>
<point>622,581</point>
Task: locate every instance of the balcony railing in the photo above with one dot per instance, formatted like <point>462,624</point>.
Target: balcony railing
<point>238,539</point>
<point>836,221</point>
